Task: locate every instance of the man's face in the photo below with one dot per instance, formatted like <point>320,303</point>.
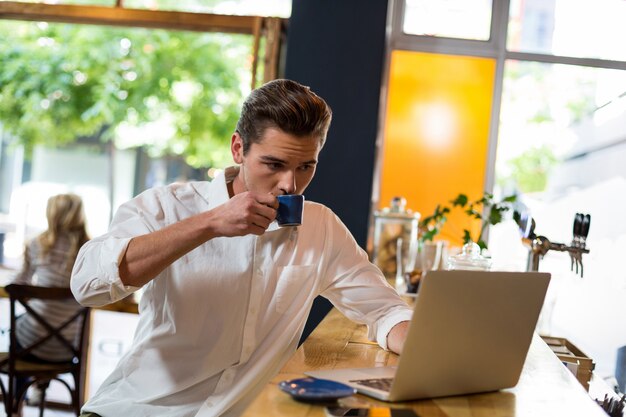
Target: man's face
<point>279,164</point>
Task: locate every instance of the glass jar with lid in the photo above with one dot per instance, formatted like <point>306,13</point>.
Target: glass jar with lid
<point>470,258</point>
<point>395,237</point>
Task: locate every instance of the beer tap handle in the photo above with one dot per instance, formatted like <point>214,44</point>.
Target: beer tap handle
<point>578,222</point>
<point>584,227</point>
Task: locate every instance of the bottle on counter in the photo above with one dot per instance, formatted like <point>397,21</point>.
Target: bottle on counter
<point>395,238</point>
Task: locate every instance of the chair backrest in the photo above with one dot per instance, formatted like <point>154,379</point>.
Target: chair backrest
<point>23,295</point>
<point>19,363</point>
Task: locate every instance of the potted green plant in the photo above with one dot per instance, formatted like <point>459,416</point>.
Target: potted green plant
<point>486,209</point>
<point>430,254</point>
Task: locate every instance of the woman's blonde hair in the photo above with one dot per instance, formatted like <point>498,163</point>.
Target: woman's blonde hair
<point>66,217</point>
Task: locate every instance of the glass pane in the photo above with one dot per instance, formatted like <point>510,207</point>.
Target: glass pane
<point>172,92</point>
<point>577,28</point>
<point>461,19</point>
<point>436,133</point>
<point>168,100</point>
<point>562,144</point>
<point>277,8</point>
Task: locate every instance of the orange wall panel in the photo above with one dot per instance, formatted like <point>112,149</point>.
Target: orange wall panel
<point>436,132</point>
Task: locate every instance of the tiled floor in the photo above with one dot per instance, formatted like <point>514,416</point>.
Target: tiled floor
<point>56,392</point>
<point>34,412</point>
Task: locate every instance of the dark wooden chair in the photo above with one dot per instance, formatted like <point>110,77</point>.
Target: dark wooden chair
<point>16,363</point>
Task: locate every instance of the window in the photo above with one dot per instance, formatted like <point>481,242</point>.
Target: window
<point>554,116</point>
<point>151,102</point>
<point>557,135</point>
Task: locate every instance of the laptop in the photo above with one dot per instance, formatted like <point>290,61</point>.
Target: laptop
<point>470,333</point>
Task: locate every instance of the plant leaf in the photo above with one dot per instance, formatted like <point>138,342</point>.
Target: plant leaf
<point>495,217</point>
<point>429,235</point>
<point>460,200</point>
<point>466,236</point>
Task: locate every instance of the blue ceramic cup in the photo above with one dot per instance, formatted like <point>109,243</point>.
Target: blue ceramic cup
<point>290,207</point>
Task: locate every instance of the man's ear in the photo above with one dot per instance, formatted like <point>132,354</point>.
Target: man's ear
<point>236,148</point>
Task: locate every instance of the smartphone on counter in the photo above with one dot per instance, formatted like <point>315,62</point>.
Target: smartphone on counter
<point>369,412</point>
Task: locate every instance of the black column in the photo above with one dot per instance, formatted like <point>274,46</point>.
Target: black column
<point>337,48</point>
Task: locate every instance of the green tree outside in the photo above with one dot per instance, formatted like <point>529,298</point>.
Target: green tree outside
<point>60,81</point>
<point>531,170</point>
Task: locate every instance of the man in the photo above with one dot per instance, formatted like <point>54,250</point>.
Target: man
<point>226,291</point>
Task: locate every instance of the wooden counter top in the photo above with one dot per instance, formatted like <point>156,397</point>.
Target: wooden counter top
<point>546,387</point>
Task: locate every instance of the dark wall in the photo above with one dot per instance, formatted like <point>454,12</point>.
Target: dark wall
<point>337,48</point>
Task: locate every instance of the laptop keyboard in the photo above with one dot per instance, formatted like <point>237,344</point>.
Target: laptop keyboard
<point>383,384</point>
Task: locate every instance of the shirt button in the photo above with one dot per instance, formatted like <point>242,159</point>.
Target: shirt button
<point>253,310</point>
<point>259,271</point>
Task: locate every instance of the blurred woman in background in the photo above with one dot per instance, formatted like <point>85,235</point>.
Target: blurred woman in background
<point>48,262</point>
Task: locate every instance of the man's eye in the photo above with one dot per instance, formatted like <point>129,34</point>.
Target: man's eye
<point>306,167</point>
<point>274,165</point>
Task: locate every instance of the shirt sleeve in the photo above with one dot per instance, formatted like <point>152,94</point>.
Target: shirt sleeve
<point>357,287</point>
<point>95,276</point>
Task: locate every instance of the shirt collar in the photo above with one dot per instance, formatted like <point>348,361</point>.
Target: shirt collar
<point>219,189</point>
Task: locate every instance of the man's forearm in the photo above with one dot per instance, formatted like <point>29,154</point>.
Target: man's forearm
<point>148,255</point>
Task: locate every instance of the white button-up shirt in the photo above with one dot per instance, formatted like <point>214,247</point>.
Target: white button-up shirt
<point>221,321</point>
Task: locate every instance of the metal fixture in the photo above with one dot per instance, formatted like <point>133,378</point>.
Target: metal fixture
<point>538,246</point>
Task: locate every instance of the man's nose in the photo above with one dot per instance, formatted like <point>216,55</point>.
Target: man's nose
<point>288,182</point>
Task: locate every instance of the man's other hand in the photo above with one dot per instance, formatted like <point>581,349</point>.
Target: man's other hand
<point>397,336</point>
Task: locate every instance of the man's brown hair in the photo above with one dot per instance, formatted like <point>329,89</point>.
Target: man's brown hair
<point>286,105</point>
